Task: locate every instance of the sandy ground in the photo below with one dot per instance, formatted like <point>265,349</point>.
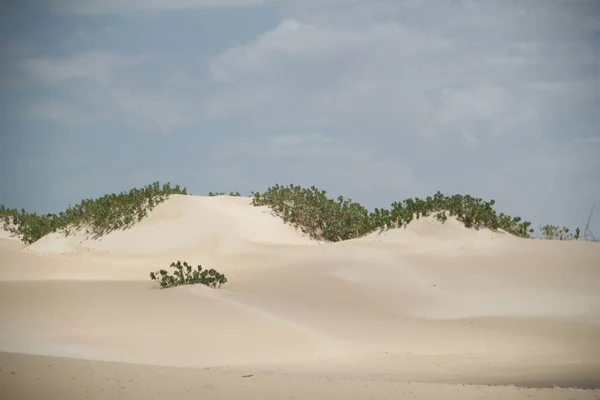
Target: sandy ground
<point>430,311</point>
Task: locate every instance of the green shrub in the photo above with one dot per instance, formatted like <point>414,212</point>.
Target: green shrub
<point>317,215</point>
<point>184,274</point>
<point>327,219</point>
<point>233,194</point>
<point>552,232</point>
<point>308,209</point>
<point>472,212</point>
<point>98,216</point>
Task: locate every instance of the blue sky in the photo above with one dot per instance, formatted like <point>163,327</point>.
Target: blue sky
<point>377,100</point>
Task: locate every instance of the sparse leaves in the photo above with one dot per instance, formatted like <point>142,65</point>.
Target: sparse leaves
<point>233,194</point>
<point>552,232</point>
<point>184,274</point>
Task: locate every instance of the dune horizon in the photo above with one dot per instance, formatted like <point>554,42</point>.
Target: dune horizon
<point>427,310</point>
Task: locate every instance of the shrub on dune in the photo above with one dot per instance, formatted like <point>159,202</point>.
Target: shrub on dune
<point>327,219</point>
<point>308,209</point>
<point>97,216</point>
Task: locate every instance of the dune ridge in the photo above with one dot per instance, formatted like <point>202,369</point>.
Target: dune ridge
<point>431,302</point>
<point>184,222</point>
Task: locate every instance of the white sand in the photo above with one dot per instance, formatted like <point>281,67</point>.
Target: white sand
<point>439,306</point>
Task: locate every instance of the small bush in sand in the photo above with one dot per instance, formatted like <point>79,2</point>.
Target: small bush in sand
<point>184,274</point>
<point>552,232</point>
<point>98,216</point>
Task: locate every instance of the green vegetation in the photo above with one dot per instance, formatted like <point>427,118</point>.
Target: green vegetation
<point>234,194</point>
<point>184,274</point>
<point>97,216</point>
<point>552,232</point>
<point>306,208</point>
<point>313,212</point>
<point>336,220</point>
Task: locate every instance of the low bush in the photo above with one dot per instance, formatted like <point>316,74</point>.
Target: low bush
<point>327,219</point>
<point>313,212</point>
<point>309,209</point>
<point>552,232</point>
<point>214,194</point>
<point>184,274</point>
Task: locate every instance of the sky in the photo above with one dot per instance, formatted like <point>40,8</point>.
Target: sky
<point>375,100</point>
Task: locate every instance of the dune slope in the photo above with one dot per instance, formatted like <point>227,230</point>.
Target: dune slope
<point>221,223</point>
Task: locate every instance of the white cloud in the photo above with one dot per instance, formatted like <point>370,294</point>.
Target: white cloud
<point>287,44</point>
<point>421,77</point>
<point>468,91</point>
<point>118,7</point>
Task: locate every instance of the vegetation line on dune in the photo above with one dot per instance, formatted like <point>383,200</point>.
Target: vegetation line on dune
<point>342,219</point>
<point>308,209</point>
<point>97,216</point>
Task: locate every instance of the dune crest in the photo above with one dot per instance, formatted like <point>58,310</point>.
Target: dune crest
<point>221,223</point>
<point>427,234</point>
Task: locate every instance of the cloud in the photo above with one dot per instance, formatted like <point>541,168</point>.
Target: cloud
<point>413,72</point>
<point>100,86</point>
<point>487,97</point>
<point>302,147</point>
<point>95,7</point>
<point>93,67</point>
<point>57,111</point>
<point>415,78</point>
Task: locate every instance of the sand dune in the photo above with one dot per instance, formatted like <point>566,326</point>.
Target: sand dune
<point>442,305</point>
<point>223,223</point>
